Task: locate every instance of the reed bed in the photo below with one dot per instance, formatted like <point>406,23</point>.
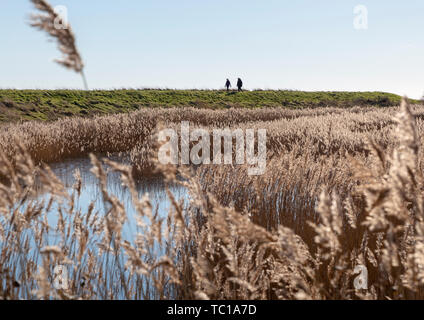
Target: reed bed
<point>343,187</point>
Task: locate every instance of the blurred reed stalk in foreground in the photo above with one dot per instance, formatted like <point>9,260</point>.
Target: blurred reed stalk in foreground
<point>48,21</point>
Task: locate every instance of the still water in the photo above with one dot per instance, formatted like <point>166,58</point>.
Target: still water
<point>91,191</point>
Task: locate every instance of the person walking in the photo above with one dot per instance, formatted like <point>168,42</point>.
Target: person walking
<point>239,85</point>
<point>228,85</point>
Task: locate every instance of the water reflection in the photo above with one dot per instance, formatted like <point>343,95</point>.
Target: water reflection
<point>91,191</point>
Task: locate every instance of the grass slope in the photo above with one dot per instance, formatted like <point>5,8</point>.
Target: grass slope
<point>46,105</point>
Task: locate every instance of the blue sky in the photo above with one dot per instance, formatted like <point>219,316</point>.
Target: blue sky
<point>270,44</point>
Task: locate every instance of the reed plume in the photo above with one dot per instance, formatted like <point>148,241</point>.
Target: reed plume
<point>343,188</point>
<point>47,21</point>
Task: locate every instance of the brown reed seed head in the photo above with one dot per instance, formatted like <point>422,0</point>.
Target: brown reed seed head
<point>48,21</point>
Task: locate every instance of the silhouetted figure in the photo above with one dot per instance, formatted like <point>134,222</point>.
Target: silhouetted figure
<point>239,85</point>
<point>228,84</point>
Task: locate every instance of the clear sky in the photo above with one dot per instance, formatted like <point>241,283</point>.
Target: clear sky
<point>270,44</point>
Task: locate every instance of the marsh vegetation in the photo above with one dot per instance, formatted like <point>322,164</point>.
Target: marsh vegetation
<point>343,187</point>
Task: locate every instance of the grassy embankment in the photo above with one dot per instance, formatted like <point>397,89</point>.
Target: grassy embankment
<point>47,105</point>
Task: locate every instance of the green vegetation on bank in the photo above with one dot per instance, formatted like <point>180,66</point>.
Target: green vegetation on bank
<point>16,105</point>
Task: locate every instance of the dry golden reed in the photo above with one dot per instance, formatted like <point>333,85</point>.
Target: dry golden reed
<point>343,188</point>
<point>52,23</point>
